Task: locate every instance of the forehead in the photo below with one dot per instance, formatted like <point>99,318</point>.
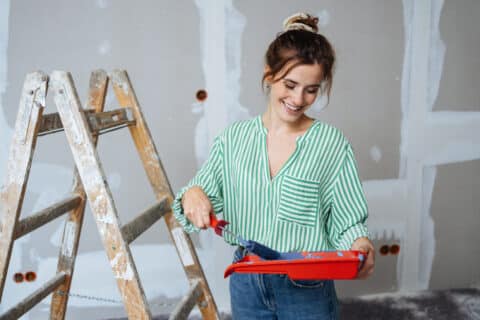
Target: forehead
<point>304,73</point>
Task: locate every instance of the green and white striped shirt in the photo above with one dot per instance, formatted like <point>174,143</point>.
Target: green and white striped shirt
<point>314,203</point>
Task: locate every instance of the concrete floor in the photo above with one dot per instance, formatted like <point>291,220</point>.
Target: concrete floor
<point>454,304</point>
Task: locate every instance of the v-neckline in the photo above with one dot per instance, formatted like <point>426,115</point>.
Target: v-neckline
<point>292,156</point>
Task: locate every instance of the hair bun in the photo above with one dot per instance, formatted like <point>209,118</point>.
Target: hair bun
<point>301,21</point>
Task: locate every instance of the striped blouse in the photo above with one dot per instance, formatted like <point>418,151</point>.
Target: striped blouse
<point>314,203</point>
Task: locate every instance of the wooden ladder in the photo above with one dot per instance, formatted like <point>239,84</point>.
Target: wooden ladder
<point>82,128</point>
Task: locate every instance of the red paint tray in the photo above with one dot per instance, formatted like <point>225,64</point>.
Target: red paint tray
<point>332,265</point>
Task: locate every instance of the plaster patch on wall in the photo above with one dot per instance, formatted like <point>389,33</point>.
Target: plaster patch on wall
<point>221,64</point>
<point>56,237</point>
<point>182,247</point>
<point>104,48</point>
<point>381,194</point>
<point>375,153</point>
<point>405,87</point>
<point>437,54</point>
<point>69,236</point>
<point>102,4</point>
<point>427,245</point>
<point>234,28</point>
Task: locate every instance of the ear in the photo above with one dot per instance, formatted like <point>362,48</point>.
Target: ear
<point>268,80</point>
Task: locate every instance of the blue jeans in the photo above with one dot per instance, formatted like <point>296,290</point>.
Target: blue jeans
<point>272,296</point>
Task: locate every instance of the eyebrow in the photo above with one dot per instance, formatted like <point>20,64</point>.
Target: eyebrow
<point>295,82</point>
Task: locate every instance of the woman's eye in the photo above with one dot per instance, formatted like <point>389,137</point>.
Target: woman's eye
<point>289,86</point>
<point>312,91</point>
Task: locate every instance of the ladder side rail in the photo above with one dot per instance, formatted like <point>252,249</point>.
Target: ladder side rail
<point>32,103</point>
<point>99,196</point>
<point>161,186</point>
<point>73,225</point>
<point>32,300</point>
<point>145,220</point>
<point>46,215</point>
<point>185,306</point>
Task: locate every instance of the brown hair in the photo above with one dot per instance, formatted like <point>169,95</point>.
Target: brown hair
<point>301,44</point>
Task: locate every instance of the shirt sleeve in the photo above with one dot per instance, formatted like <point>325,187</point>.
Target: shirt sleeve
<point>210,179</point>
<point>348,212</point>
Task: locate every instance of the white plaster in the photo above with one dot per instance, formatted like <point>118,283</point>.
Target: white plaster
<point>34,256</point>
<point>427,243</point>
<point>406,86</point>
<point>107,219</point>
<point>103,4</point>
<point>387,202</point>
<point>56,237</point>
<point>127,274</point>
<point>69,237</point>
<point>182,247</point>
<point>221,66</point>
<point>375,153</point>
<point>100,205</point>
<point>104,48</point>
<point>197,107</point>
<point>114,261</point>
<point>323,18</point>
<point>436,54</point>
<point>415,84</point>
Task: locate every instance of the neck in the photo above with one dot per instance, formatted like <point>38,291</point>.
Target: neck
<point>276,125</point>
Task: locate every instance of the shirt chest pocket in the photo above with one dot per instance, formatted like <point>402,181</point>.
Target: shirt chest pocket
<point>299,201</point>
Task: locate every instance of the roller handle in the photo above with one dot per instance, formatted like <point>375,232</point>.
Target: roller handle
<point>217,225</point>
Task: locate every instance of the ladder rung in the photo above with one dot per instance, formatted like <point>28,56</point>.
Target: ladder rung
<point>145,220</point>
<point>40,218</point>
<point>29,302</point>
<point>109,120</point>
<point>183,309</point>
<point>97,121</point>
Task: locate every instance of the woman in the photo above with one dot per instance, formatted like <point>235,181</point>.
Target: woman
<point>285,180</point>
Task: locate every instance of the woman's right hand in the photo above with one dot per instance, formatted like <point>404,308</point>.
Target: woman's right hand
<point>197,207</point>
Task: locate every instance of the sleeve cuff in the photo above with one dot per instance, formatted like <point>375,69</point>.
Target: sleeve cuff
<point>178,212</point>
<point>352,234</point>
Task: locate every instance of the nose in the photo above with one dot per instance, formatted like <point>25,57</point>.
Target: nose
<point>298,97</point>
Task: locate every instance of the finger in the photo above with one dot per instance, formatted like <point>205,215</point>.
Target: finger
<point>205,220</point>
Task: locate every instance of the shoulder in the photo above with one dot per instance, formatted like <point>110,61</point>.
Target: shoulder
<point>329,136</point>
<point>239,130</point>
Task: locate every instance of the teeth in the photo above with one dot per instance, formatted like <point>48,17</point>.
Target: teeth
<point>289,106</point>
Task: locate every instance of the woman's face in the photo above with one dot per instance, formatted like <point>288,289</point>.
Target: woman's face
<point>291,96</point>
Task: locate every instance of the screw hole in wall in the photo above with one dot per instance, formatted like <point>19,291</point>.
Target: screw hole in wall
<point>394,249</point>
<point>201,95</point>
<point>18,277</point>
<point>30,276</point>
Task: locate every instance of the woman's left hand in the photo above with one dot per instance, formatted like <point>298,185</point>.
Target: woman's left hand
<point>365,245</point>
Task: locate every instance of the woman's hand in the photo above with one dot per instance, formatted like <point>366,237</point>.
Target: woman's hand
<point>197,207</point>
<point>365,245</point>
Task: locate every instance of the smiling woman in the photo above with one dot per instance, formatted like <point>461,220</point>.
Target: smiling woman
<point>285,180</point>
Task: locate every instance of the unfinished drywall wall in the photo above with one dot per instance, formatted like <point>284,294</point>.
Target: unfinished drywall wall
<point>459,30</point>
<point>394,60</point>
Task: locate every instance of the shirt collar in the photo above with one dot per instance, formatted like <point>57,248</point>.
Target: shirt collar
<point>304,137</point>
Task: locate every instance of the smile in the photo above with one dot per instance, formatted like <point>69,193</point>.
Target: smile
<point>291,107</point>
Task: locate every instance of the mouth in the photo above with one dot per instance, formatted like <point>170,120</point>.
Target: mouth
<point>291,108</point>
